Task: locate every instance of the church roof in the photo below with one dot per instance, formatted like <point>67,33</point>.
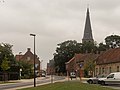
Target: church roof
<point>87,30</point>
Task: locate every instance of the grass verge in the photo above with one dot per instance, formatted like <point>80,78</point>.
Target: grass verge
<point>69,86</point>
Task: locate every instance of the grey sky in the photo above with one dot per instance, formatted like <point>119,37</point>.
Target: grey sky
<point>55,21</point>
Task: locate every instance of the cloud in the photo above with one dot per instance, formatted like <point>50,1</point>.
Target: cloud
<point>55,21</point>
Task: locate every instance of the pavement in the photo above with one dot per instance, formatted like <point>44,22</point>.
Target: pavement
<point>23,81</point>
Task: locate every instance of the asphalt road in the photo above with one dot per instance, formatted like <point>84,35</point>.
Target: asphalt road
<point>117,87</point>
<point>30,83</point>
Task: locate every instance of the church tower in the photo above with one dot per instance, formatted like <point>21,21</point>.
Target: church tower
<point>87,37</point>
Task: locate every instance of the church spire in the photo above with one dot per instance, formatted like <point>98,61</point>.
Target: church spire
<point>87,37</point>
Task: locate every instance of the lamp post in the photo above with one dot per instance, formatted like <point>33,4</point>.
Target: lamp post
<point>19,66</point>
<point>80,71</point>
<point>34,60</point>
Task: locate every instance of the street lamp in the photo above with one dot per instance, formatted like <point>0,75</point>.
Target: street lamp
<point>34,60</point>
<point>19,66</point>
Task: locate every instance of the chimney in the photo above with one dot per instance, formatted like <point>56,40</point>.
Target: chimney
<point>28,49</point>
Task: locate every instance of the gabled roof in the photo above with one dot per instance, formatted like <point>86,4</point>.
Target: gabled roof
<point>82,57</point>
<point>70,60</point>
<point>79,57</point>
<point>27,54</point>
<point>109,56</point>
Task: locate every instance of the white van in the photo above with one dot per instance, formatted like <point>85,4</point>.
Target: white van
<point>112,78</point>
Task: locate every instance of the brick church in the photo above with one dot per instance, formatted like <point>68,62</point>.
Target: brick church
<point>105,62</point>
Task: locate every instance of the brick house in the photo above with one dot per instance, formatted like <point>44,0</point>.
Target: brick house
<point>73,66</point>
<point>29,57</point>
<point>51,67</point>
<point>108,62</point>
<point>78,62</point>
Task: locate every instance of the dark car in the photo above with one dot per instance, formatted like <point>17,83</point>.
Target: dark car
<point>94,80</point>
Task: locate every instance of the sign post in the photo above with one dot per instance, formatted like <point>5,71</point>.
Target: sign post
<point>80,70</point>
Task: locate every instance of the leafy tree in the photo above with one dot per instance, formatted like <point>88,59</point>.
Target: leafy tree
<point>6,52</point>
<point>89,47</point>
<point>5,64</point>
<point>89,67</point>
<point>102,47</point>
<point>64,52</point>
<point>27,69</point>
<point>112,41</point>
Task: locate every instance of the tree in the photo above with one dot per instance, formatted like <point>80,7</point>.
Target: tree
<point>89,67</point>
<point>5,64</point>
<point>27,69</point>
<point>64,52</point>
<point>6,52</point>
<point>89,47</point>
<point>102,47</point>
<point>112,41</point>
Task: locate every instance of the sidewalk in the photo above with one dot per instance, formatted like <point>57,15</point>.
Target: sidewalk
<point>22,80</point>
<point>78,79</point>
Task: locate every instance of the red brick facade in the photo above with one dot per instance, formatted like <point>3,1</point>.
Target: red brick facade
<point>50,67</point>
<point>78,62</point>
<point>29,57</point>
<point>74,66</point>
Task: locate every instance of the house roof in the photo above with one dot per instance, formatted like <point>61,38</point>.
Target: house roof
<point>82,57</point>
<point>85,57</point>
<point>109,56</point>
<point>79,57</point>
<point>18,57</point>
<point>70,60</point>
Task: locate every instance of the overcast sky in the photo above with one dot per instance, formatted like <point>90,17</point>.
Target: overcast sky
<point>55,21</point>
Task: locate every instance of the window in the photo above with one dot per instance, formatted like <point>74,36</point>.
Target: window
<point>110,76</point>
<point>110,70</point>
<point>103,70</point>
<point>100,70</point>
<point>117,68</point>
<point>28,58</point>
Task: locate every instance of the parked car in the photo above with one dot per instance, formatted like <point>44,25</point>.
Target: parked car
<point>43,75</point>
<point>94,80</point>
<point>112,78</point>
<point>72,75</point>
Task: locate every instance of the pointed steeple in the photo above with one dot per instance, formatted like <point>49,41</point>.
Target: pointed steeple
<point>87,37</point>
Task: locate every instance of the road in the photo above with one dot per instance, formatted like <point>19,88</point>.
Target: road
<point>117,87</point>
<point>29,83</point>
